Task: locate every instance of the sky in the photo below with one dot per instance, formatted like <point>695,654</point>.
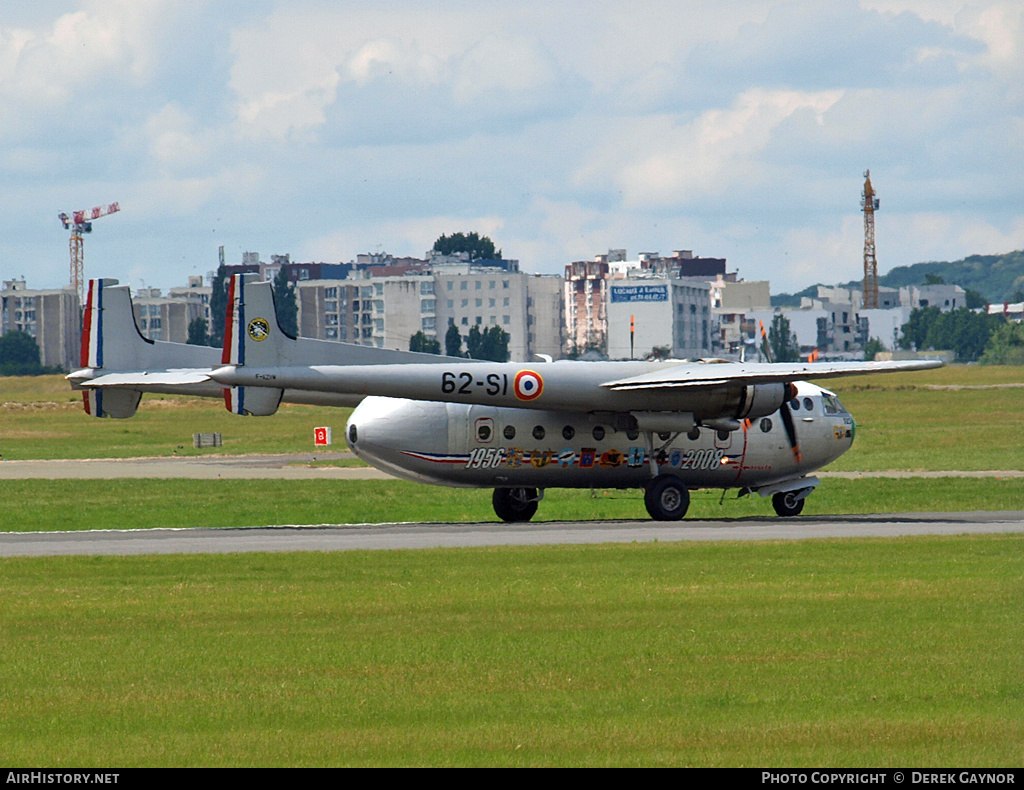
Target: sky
<point>560,129</point>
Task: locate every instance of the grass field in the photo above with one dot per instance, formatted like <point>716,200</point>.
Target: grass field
<point>137,504</point>
<point>901,652</point>
<point>869,652</point>
<point>40,418</point>
<point>902,422</point>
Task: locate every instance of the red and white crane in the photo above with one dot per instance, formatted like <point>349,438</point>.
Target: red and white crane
<point>79,222</point>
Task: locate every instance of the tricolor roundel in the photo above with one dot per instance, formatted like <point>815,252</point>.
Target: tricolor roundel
<point>528,385</point>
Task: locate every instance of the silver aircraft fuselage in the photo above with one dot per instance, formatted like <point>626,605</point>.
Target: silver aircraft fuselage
<point>457,444</point>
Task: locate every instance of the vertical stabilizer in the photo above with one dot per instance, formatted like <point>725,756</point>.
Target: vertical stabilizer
<point>252,337</point>
<point>118,363</point>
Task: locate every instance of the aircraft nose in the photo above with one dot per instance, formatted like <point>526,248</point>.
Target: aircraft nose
<point>380,427</point>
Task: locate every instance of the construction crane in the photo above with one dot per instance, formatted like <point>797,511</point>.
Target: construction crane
<point>79,222</point>
<point>869,205</point>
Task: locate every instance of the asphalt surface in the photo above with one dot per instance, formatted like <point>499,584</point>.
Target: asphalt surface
<point>420,536</point>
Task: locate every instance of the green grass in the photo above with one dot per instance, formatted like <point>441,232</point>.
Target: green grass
<point>135,504</point>
<point>902,423</point>
<point>816,653</point>
<point>881,652</point>
<point>40,418</point>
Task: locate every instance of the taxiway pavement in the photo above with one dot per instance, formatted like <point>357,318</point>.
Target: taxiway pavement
<point>420,536</point>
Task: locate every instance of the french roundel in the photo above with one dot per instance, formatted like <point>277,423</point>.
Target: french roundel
<point>528,385</point>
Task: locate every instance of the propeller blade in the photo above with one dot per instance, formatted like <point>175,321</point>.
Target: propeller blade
<point>787,422</point>
<point>765,347</point>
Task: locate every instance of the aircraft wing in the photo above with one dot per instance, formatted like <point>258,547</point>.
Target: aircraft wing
<point>712,374</point>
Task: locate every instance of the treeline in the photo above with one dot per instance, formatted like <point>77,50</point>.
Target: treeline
<point>992,279</point>
<point>19,356</point>
<point>996,278</point>
<point>490,344</point>
<point>971,336</point>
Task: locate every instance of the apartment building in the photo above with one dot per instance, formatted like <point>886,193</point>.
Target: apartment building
<point>52,317</point>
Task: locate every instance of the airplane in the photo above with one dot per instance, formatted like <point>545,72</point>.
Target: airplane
<point>665,427</point>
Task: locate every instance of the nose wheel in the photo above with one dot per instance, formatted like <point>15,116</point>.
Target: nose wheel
<point>666,498</point>
<point>515,504</point>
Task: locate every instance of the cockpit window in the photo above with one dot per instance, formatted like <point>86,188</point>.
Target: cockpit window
<point>832,404</point>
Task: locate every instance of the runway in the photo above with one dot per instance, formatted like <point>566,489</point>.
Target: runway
<point>424,536</point>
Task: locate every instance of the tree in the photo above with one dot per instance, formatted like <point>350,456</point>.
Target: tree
<point>423,344</point>
<point>1005,346</point>
<point>285,304</point>
<point>453,341</point>
<point>962,331</point>
<point>197,332</point>
<point>474,343</point>
<point>19,355</point>
<point>914,333</point>
<point>490,344</point>
<point>218,306</point>
<point>495,345</point>
<point>660,353</point>
<point>974,299</point>
<point>479,247</point>
<point>872,349</point>
<point>783,343</point>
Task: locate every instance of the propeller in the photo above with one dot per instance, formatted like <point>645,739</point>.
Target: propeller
<point>787,422</point>
<point>785,412</point>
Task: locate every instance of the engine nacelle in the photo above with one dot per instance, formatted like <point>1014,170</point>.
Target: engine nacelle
<point>760,400</point>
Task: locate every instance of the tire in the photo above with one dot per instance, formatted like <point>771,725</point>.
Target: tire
<point>786,504</point>
<point>515,504</point>
<point>667,498</point>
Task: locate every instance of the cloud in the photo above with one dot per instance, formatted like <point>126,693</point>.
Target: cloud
<point>662,163</point>
<point>327,129</point>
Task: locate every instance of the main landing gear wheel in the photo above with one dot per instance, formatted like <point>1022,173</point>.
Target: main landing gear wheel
<point>787,504</point>
<point>666,498</point>
<point>515,504</point>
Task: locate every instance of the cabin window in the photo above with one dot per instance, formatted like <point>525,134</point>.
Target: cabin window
<point>538,432</point>
<point>568,432</point>
<point>598,433</point>
<point>794,404</point>
<point>808,404</point>
<point>632,435</point>
<point>510,432</point>
<point>766,425</point>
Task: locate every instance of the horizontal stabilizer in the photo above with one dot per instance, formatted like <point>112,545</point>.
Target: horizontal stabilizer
<point>142,378</point>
